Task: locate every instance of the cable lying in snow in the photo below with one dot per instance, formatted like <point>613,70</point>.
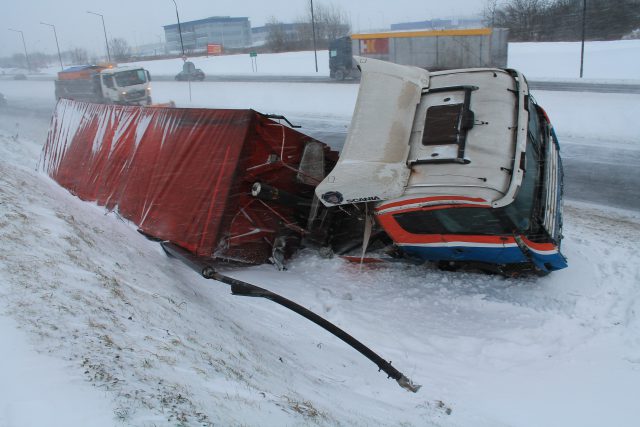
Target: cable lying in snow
<point>238,287</point>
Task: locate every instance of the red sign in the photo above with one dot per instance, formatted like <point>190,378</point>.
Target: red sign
<point>375,46</point>
<point>214,49</point>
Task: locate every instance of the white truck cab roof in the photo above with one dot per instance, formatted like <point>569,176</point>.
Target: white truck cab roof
<point>415,133</point>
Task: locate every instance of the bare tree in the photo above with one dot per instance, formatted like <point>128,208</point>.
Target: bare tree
<point>120,49</point>
<point>79,56</point>
<point>534,20</point>
<point>277,38</point>
<point>489,13</point>
<point>331,22</point>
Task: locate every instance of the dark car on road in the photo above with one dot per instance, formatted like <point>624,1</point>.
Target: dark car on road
<point>190,73</point>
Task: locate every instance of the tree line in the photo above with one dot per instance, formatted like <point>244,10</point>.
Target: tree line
<point>562,20</point>
<point>118,47</point>
<point>330,23</point>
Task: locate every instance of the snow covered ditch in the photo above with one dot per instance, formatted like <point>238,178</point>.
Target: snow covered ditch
<point>145,342</point>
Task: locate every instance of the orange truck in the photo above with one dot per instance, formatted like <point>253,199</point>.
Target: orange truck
<point>105,84</point>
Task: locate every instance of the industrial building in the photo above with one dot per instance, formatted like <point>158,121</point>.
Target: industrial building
<point>230,32</point>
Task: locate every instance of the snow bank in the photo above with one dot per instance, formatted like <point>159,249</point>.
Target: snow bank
<point>41,390</point>
<point>164,346</point>
<point>603,60</point>
<point>276,64</point>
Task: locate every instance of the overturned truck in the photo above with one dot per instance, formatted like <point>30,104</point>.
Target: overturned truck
<point>460,168</point>
<point>457,167</point>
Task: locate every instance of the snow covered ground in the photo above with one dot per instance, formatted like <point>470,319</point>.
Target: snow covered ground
<point>603,60</point>
<point>162,346</point>
<point>100,328</point>
<point>549,61</point>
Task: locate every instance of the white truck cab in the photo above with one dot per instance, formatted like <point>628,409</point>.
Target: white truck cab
<point>126,85</point>
<point>460,166</point>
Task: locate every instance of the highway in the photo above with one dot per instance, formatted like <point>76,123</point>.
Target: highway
<point>546,85</point>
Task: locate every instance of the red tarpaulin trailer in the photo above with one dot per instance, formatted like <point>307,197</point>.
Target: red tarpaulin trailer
<point>185,175</point>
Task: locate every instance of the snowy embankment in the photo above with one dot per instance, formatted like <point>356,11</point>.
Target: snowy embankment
<point>163,346</point>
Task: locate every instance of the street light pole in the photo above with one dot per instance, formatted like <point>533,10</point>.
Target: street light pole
<point>105,34</point>
<point>57,45</point>
<point>584,26</point>
<point>313,28</point>
<point>179,30</point>
<point>24,45</point>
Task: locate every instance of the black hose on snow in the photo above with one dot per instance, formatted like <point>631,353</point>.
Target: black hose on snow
<point>238,287</point>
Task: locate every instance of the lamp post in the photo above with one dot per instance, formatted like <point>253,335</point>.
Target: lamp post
<point>57,45</point>
<point>584,27</point>
<point>105,33</point>
<point>24,45</point>
<point>180,31</point>
<point>313,29</point>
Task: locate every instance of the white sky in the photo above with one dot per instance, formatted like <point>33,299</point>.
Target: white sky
<point>141,21</point>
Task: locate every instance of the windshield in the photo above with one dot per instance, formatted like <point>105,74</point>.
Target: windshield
<point>515,217</point>
<point>455,221</point>
<point>130,78</point>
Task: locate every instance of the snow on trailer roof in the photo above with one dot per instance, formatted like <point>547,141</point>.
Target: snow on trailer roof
<point>122,68</point>
<point>76,68</point>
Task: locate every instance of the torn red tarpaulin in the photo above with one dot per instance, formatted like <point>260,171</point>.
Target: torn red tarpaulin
<point>182,175</point>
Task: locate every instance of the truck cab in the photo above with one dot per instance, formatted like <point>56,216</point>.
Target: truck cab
<point>104,84</point>
<point>341,64</point>
<point>126,85</point>
<point>460,167</point>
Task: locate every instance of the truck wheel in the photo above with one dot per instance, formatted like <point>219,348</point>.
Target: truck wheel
<point>340,75</point>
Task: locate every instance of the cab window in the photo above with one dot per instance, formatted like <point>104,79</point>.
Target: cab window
<point>108,81</point>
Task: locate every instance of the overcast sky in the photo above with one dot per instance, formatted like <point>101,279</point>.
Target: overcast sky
<point>141,21</point>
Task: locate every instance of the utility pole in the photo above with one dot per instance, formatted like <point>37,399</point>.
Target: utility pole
<point>313,28</point>
<point>24,45</point>
<point>57,45</point>
<point>105,34</point>
<point>184,57</point>
<point>584,27</point>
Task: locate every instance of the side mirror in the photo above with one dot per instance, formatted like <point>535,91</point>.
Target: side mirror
<point>148,75</point>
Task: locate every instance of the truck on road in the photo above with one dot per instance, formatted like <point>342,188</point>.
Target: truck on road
<point>430,49</point>
<point>105,84</point>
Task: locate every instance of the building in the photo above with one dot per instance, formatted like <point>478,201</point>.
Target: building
<point>260,34</point>
<point>225,30</point>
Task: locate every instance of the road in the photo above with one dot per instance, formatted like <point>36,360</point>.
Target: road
<point>596,171</point>
<point>564,86</point>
